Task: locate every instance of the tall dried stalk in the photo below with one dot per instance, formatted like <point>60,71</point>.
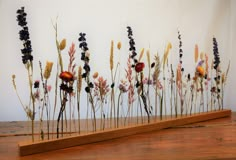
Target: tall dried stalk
<point>149,77</point>
<point>27,60</point>
<point>85,56</point>
<point>71,68</point>
<point>79,86</point>
<point>112,86</point>
<point>224,77</point>
<point>59,68</point>
<point>171,90</point>
<point>156,79</point>
<point>165,59</point>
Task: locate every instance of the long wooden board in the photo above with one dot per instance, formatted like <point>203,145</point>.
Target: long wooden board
<point>27,148</point>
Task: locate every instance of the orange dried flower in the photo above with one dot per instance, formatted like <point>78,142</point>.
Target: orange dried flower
<point>200,70</point>
<point>66,76</point>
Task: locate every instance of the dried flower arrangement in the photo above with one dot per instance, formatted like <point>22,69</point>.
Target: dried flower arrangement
<point>134,91</point>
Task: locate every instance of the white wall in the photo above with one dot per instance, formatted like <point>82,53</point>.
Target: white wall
<point>154,22</point>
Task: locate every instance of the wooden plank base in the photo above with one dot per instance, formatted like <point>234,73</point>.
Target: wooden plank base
<point>27,148</point>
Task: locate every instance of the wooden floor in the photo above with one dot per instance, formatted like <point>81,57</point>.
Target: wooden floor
<point>215,139</point>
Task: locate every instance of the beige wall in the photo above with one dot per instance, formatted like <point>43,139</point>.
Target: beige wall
<point>154,22</point>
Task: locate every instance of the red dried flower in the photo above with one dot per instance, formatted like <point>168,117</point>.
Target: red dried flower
<point>139,67</point>
<point>66,76</point>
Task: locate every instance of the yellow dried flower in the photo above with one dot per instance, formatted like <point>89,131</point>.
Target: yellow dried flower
<point>196,53</point>
<point>111,55</point>
<point>141,55</point>
<point>169,46</point>
<point>79,82</point>
<point>48,69</point>
<point>119,45</point>
<point>202,56</point>
<point>157,67</point>
<point>95,75</point>
<point>62,44</point>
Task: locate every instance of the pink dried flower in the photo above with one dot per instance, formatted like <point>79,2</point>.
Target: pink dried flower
<point>131,93</point>
<point>147,81</point>
<point>130,78</point>
<point>71,66</point>
<point>159,85</point>
<point>129,71</point>
<point>49,87</point>
<point>123,86</point>
<point>101,88</point>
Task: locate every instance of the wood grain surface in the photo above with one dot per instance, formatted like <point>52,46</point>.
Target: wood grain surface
<point>27,148</point>
<point>215,139</point>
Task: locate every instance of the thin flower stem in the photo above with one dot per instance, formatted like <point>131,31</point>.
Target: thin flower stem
<point>78,107</point>
<point>171,99</point>
<point>164,91</point>
<point>202,95</point>
<point>222,95</point>
<point>141,112</point>
<point>161,104</point>
<point>129,106</point>
<point>32,97</point>
<point>94,113</point>
<point>87,114</point>
<point>176,102</point>
<point>148,89</point>
<point>118,110</point>
<point>192,96</point>
<point>156,103</point>
<point>113,100</point>
<point>55,99</point>
<point>13,80</point>
<point>70,112</point>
